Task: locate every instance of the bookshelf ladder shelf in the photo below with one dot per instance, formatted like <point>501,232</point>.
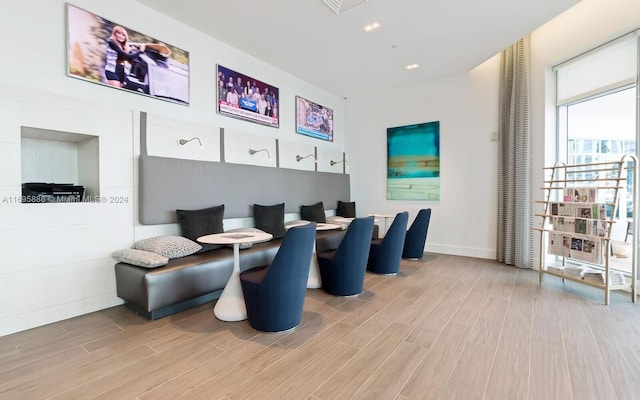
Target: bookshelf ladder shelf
<point>576,224</point>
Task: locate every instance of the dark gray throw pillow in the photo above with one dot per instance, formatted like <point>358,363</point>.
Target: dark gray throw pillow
<point>346,209</point>
<point>196,223</point>
<point>270,219</point>
<point>313,213</point>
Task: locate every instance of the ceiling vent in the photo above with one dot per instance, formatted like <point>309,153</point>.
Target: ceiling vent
<point>339,6</point>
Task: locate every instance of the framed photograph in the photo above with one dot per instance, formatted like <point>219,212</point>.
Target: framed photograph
<point>244,97</point>
<point>413,162</point>
<point>110,54</point>
<point>314,120</point>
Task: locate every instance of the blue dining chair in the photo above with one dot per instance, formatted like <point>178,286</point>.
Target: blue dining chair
<point>274,294</point>
<point>342,270</point>
<point>417,235</point>
<point>386,253</point>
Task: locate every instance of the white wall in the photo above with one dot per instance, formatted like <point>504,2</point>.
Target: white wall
<point>57,257</point>
<point>463,221</point>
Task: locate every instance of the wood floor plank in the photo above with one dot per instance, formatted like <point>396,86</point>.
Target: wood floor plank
<point>351,376</point>
<point>390,377</point>
<point>447,326</point>
<point>433,291</point>
<point>621,359</point>
<point>36,336</point>
<point>272,377</point>
<point>368,330</point>
<point>9,356</point>
<point>215,368</point>
<point>302,384</point>
<point>434,370</point>
<point>363,313</point>
<point>509,378</point>
<point>470,381</point>
<point>12,379</point>
<point>549,377</point>
<point>225,335</point>
<point>488,326</point>
<point>513,353</point>
<point>134,337</point>
<point>236,375</point>
<point>69,375</point>
<point>501,283</point>
<point>469,307</point>
<point>67,340</point>
<point>589,377</point>
<point>435,322</point>
<point>140,370</point>
<point>161,372</point>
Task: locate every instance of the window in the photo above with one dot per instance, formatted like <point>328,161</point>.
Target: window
<point>596,111</point>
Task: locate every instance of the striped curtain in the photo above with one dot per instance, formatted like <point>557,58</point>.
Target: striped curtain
<point>515,239</point>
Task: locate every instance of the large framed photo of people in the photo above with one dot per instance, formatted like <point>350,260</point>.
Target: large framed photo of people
<point>247,98</point>
<point>314,120</point>
<point>110,54</point>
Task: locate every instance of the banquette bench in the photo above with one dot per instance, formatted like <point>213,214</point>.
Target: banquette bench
<point>196,279</point>
<point>166,184</point>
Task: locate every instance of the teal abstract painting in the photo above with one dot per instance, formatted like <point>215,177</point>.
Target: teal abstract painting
<point>413,162</point>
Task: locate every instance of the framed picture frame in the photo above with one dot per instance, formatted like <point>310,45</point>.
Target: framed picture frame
<point>241,96</point>
<point>107,53</point>
<point>314,120</point>
<point>413,162</point>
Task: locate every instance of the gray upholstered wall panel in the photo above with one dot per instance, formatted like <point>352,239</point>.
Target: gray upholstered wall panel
<point>167,184</point>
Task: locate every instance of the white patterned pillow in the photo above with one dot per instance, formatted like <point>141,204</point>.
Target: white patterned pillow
<point>140,258</point>
<point>168,246</point>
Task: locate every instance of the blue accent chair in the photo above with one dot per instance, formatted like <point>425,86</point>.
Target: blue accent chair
<point>342,270</point>
<point>386,253</point>
<point>417,235</point>
<point>274,294</point>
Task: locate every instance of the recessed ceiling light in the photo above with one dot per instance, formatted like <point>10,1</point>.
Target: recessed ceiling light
<point>411,66</point>
<point>372,27</point>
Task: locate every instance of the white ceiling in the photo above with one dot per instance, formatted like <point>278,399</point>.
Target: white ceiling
<point>307,39</point>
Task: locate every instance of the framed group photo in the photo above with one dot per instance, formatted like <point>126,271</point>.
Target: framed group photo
<point>105,52</point>
<point>244,97</point>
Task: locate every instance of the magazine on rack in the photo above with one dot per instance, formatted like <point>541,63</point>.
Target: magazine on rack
<point>594,276</point>
<point>559,244</point>
<point>579,210</point>
<point>580,194</point>
<point>583,226</point>
<point>566,245</point>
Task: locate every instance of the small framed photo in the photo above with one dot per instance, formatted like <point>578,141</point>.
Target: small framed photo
<point>314,120</point>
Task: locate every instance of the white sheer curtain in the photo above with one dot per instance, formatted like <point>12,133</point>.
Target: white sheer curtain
<point>515,243</point>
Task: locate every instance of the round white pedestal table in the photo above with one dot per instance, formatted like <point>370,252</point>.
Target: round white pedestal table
<point>314,281</point>
<point>230,306</point>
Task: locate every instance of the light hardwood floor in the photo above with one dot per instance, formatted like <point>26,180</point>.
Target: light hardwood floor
<point>446,327</point>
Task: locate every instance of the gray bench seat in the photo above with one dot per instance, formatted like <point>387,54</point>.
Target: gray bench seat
<point>196,279</point>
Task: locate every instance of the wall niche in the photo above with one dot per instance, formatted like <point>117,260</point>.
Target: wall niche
<point>63,159</point>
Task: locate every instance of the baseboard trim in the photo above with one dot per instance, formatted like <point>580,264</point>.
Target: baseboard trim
<point>489,254</point>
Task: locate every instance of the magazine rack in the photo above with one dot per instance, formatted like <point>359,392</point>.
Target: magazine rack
<point>579,212</point>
